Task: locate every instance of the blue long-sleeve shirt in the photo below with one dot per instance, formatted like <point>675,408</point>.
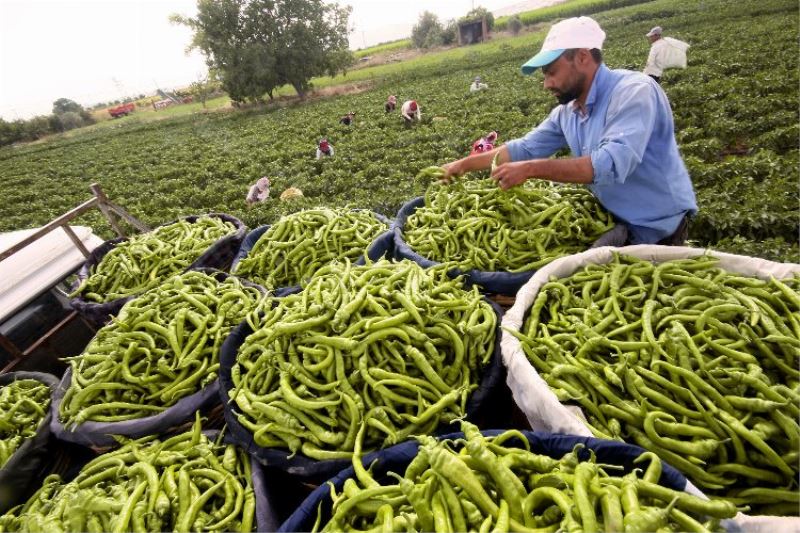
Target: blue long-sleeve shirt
<point>628,132</point>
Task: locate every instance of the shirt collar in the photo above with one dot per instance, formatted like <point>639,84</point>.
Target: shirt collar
<point>600,78</point>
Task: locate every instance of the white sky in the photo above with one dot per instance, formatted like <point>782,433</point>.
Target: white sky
<point>92,51</point>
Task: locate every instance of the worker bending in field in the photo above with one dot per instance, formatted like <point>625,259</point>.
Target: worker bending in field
<point>477,85</point>
<point>391,103</point>
<point>410,111</point>
<point>484,144</point>
<point>619,127</point>
<point>665,53</point>
<point>324,149</point>
<point>348,118</point>
<point>258,192</point>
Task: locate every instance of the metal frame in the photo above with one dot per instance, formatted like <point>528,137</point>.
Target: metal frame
<point>112,213</point>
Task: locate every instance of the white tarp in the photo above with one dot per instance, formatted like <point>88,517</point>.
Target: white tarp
<point>40,265</point>
<point>533,396</point>
<point>675,53</point>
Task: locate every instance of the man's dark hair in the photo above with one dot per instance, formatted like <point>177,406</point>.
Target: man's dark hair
<point>597,55</point>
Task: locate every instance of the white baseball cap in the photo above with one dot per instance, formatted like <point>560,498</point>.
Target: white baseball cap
<point>577,32</point>
<point>655,31</point>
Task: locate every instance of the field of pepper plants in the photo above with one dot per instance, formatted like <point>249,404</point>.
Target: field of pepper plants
<point>735,111</point>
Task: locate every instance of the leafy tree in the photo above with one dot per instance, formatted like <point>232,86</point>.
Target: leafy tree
<point>515,24</point>
<point>65,105</point>
<point>450,32</point>
<point>260,45</point>
<point>428,31</point>
<point>478,13</point>
<point>9,133</point>
<point>68,115</point>
<point>70,120</point>
<point>204,87</point>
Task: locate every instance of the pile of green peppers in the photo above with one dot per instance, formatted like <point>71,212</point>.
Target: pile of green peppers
<point>298,245</point>
<point>481,484</point>
<point>390,344</point>
<point>696,364</point>
<point>476,225</point>
<point>23,406</point>
<point>183,483</point>
<point>163,346</point>
<point>144,261</point>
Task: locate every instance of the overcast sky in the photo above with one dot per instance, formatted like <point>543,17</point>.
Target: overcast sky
<point>101,50</point>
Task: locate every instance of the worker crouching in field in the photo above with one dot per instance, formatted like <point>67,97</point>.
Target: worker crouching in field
<point>477,85</point>
<point>484,144</point>
<point>348,118</point>
<point>324,149</point>
<point>391,103</point>
<point>258,192</point>
<point>618,125</point>
<point>411,112</point>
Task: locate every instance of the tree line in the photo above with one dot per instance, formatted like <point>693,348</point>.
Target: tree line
<point>253,47</point>
<point>67,115</point>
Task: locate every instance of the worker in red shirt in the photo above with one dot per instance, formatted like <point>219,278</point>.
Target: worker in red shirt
<point>324,149</point>
<point>410,111</point>
<point>484,144</point>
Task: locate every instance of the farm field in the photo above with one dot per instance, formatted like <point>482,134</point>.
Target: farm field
<point>735,111</point>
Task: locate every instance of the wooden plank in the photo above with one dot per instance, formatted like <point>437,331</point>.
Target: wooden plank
<point>9,346</point>
<point>132,220</point>
<point>102,200</point>
<point>55,329</point>
<point>75,240</point>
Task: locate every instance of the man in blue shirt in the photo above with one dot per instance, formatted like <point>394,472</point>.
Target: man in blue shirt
<point>618,125</point>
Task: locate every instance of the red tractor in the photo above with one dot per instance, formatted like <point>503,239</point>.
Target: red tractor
<point>122,110</point>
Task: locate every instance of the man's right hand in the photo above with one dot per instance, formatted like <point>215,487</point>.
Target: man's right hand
<point>452,170</point>
<point>480,161</point>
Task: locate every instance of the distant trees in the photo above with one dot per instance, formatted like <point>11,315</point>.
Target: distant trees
<point>450,33</point>
<point>205,86</point>
<point>515,24</point>
<point>68,115</point>
<point>428,31</point>
<point>260,45</point>
<point>25,130</point>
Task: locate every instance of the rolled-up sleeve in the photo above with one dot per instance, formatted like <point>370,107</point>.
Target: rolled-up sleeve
<point>629,125</point>
<point>543,141</point>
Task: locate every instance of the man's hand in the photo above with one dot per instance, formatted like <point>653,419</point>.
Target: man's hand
<point>452,170</point>
<point>510,175</point>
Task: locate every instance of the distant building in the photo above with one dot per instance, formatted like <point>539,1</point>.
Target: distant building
<point>473,31</point>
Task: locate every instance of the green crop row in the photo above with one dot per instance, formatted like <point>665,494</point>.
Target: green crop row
<point>735,113</point>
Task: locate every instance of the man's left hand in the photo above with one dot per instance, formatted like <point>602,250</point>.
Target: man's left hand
<point>510,175</point>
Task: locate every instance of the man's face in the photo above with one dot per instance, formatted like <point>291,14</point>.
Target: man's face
<point>654,38</point>
<point>563,78</point>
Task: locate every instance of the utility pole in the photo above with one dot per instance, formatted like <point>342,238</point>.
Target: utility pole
<point>363,39</point>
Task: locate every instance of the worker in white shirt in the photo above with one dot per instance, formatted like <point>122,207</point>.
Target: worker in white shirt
<point>665,53</point>
<point>655,60</point>
<point>324,149</point>
<point>477,85</point>
<point>410,111</point>
<point>258,192</point>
